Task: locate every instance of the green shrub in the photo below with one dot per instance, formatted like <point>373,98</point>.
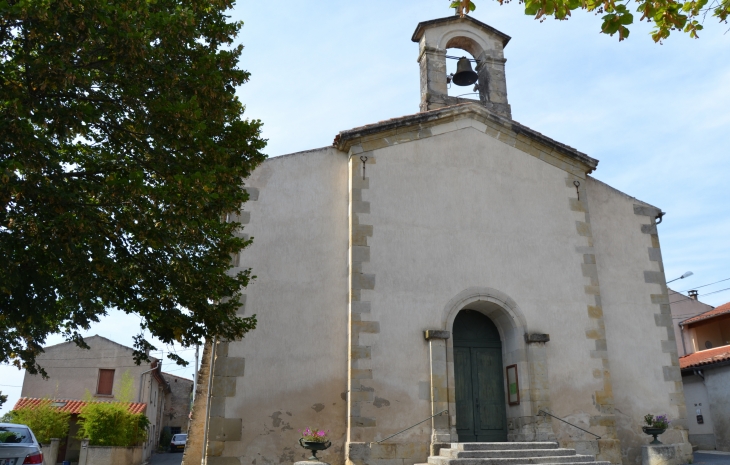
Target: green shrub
<point>165,437</point>
<point>111,424</point>
<point>44,420</point>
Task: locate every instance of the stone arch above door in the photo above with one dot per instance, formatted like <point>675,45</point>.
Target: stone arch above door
<point>531,361</point>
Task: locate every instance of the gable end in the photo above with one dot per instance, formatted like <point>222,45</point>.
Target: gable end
<point>431,123</point>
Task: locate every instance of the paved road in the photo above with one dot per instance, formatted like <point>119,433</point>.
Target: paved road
<point>711,458</point>
<point>174,458</point>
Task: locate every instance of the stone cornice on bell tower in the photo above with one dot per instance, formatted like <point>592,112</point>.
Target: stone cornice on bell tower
<point>482,41</point>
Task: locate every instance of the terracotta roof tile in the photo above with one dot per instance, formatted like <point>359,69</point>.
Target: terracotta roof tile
<point>721,310</point>
<point>72,406</point>
<point>705,357</point>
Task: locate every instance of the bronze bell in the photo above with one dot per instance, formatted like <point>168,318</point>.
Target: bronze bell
<point>464,75</point>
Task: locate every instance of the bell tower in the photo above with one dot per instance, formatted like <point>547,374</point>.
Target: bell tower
<point>483,42</point>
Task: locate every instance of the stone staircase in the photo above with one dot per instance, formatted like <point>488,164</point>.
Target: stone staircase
<point>510,453</point>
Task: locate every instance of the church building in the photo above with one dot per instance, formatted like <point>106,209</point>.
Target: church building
<point>451,273</point>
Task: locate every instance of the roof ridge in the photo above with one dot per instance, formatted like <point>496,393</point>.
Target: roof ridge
<point>176,376</point>
<point>429,118</point>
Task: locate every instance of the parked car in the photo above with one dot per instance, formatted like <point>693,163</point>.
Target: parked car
<point>176,443</point>
<point>18,445</point>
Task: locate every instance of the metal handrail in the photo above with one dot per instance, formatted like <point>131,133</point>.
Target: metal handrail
<point>571,424</point>
<point>396,434</point>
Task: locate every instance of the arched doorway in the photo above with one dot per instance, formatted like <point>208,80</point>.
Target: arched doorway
<point>481,412</point>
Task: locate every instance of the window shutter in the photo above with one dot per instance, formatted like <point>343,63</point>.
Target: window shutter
<point>106,382</point>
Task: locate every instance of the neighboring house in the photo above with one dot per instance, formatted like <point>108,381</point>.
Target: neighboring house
<point>452,259</point>
<point>176,412</point>
<point>70,446</point>
<point>704,342</point>
<point>73,372</point>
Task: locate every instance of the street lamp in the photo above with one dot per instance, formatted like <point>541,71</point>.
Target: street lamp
<point>685,275</point>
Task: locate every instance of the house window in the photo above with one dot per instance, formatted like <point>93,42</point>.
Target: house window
<point>106,382</point>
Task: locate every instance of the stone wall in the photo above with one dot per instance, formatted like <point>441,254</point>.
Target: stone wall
<point>177,402</point>
<point>358,253</point>
<point>717,381</point>
<point>99,455</point>
<point>637,317</point>
<point>291,371</point>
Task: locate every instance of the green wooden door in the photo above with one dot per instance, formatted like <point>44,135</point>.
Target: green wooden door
<point>481,414</point>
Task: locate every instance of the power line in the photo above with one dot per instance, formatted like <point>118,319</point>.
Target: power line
<point>9,385</point>
<point>715,292</point>
<point>704,285</point>
<point>178,369</point>
<point>708,293</point>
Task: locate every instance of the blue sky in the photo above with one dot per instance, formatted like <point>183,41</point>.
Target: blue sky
<point>656,116</point>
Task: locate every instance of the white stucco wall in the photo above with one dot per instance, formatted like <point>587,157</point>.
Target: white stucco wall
<point>717,380</point>
<point>452,212</point>
<point>72,370</point>
<point>296,358</point>
<point>640,349</point>
<point>462,210</point>
<point>696,398</point>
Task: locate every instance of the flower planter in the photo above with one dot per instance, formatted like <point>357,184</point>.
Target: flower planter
<point>314,446</point>
<point>653,432</point>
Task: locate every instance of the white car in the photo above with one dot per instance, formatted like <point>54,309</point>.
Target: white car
<point>18,445</point>
<point>176,443</point>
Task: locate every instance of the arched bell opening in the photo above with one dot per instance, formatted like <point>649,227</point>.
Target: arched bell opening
<point>462,77</point>
<point>470,53</point>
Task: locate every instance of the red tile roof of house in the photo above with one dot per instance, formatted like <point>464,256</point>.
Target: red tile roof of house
<point>72,406</point>
<point>705,357</point>
<point>721,310</point>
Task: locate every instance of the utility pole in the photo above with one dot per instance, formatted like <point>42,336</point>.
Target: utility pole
<point>195,371</point>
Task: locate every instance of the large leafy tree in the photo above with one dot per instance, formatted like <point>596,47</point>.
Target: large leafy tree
<point>667,15</point>
<point>122,151</point>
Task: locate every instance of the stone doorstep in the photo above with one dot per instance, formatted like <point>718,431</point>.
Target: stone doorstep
<point>574,463</point>
<point>460,454</point>
<point>569,459</point>
<point>504,445</point>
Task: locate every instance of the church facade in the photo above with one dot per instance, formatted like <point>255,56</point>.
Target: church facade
<point>451,264</point>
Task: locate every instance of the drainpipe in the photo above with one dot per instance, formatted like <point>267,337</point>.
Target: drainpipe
<point>204,459</point>
<point>141,377</point>
<point>700,374</point>
<point>681,332</point>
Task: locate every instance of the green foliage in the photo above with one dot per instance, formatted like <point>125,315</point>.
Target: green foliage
<point>463,5</point>
<point>165,437</point>
<point>659,421</point>
<point>125,388</point>
<point>46,422</point>
<point>111,424</point>
<point>667,15</point>
<point>3,398</point>
<point>123,150</point>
